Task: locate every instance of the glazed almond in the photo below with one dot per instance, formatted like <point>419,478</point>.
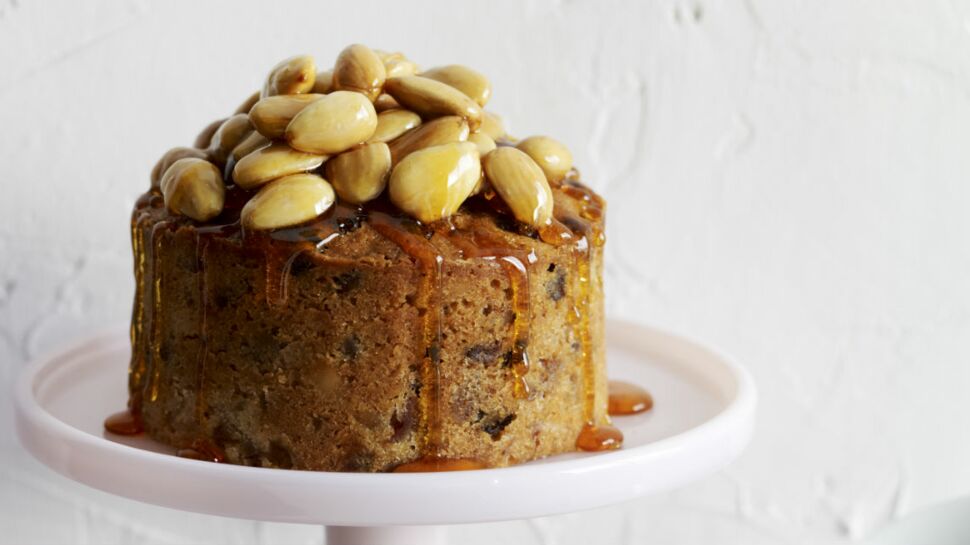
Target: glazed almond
<point>431,98</point>
<point>332,124</point>
<point>287,201</point>
<point>430,184</point>
<point>292,76</point>
<point>193,187</point>
<point>271,162</point>
<point>360,175</point>
<point>521,184</point>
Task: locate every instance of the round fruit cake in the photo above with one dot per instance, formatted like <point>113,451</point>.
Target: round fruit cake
<point>361,271</point>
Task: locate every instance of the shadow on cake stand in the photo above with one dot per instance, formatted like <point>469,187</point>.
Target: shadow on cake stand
<point>702,418</point>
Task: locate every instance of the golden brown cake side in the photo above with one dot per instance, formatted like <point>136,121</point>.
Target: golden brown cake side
<point>363,341</point>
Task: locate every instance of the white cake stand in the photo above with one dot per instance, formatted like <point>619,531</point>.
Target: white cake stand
<point>702,419</point>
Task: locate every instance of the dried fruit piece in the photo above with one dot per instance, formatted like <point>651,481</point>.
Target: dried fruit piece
<point>521,183</point>
<point>359,69</point>
<point>360,175</point>
<point>287,201</point>
<point>271,115</point>
<point>193,187</point>
<point>552,156</point>
<point>292,76</point>
<point>443,130</point>
<point>432,98</point>
<point>332,124</point>
<point>475,85</point>
<point>430,184</point>
<point>170,157</point>
<point>272,162</point>
<point>394,123</point>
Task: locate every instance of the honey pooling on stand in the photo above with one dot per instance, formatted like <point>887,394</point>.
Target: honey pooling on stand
<point>360,270</point>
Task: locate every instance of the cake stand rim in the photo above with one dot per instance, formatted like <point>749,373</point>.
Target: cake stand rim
<point>711,444</point>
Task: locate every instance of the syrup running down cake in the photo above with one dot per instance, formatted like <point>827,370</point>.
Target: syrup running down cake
<point>360,270</point>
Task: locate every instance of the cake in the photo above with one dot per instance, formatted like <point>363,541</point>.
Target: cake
<point>361,271</point>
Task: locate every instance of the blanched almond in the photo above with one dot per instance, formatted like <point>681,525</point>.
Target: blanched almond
<point>360,175</point>
<point>228,136</point>
<point>332,124</point>
<point>472,83</point>
<point>287,201</point>
<point>396,64</point>
<point>271,115</point>
<point>443,130</point>
<point>483,141</point>
<point>205,135</point>
<point>552,156</point>
<point>170,157</point>
<point>431,98</point>
<point>292,76</point>
<point>249,144</point>
<point>272,162</point>
<point>193,187</point>
<point>521,184</point>
<point>493,126</point>
<point>323,83</point>
<point>248,103</point>
<point>430,184</point>
<point>394,123</point>
<point>359,69</point>
<point>386,102</point>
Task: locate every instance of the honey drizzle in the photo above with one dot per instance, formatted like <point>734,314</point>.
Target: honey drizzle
<point>515,262</point>
<point>581,317</point>
<point>201,248</point>
<point>593,436</point>
<point>154,362</point>
<point>136,367</point>
<point>430,261</point>
<point>435,463</point>
<point>277,271</point>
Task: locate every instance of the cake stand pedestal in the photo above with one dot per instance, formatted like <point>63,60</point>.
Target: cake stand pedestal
<point>702,418</point>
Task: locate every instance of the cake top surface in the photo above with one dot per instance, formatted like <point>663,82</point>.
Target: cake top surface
<point>372,133</point>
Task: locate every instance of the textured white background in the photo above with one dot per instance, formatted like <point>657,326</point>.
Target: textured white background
<point>788,180</point>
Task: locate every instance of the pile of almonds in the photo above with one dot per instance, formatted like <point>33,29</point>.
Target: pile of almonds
<point>373,122</point>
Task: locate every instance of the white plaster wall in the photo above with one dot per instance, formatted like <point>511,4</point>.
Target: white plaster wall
<point>788,180</point>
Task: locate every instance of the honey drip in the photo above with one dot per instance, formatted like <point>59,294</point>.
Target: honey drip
<point>136,368</point>
<point>626,398</point>
<point>277,271</point>
<point>124,423</point>
<point>424,465</point>
<point>154,368</point>
<point>201,249</point>
<point>429,298</point>
<point>203,450</point>
<point>593,438</point>
<point>515,262</point>
<point>581,317</point>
